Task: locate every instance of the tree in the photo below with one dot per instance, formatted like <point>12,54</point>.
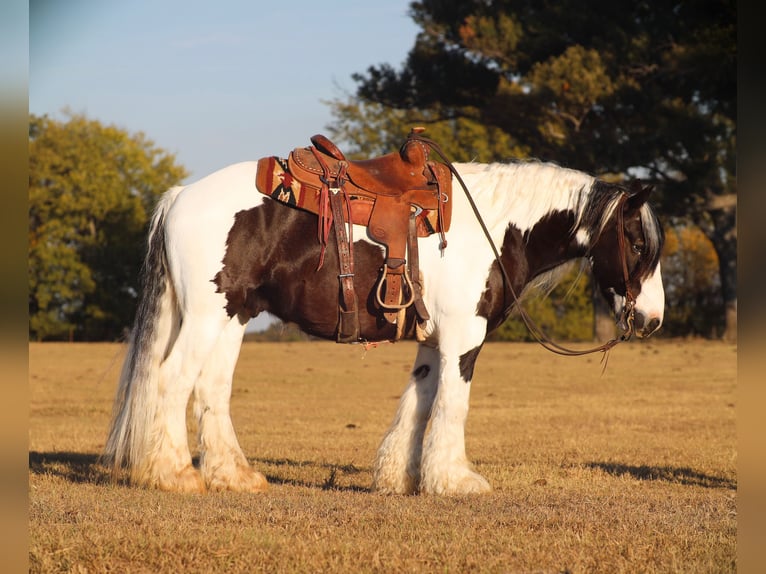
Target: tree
<point>564,314</point>
<point>691,283</point>
<point>373,129</point>
<point>618,88</point>
<point>91,191</point>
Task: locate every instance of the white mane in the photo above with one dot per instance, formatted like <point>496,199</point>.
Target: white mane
<point>525,191</point>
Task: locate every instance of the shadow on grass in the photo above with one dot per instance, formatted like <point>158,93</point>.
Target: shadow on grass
<point>72,466</point>
<point>330,483</point>
<point>678,475</point>
<point>79,467</point>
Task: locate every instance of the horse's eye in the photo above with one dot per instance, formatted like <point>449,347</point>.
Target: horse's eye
<point>638,249</point>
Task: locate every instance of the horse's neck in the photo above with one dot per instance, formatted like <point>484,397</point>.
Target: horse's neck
<point>552,243</point>
<point>538,200</point>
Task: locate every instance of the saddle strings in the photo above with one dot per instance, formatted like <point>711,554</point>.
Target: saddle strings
<point>533,328</point>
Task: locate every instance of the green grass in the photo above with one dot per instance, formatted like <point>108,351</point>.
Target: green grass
<point>630,471</point>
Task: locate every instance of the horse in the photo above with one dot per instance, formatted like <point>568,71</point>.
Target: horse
<point>219,253</point>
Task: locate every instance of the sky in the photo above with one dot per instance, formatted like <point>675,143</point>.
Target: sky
<point>214,83</point>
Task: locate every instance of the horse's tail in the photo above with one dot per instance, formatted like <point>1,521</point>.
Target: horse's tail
<point>155,328</point>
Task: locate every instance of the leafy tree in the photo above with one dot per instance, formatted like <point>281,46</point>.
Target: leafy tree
<point>91,191</point>
<point>691,283</point>
<point>373,129</point>
<point>614,87</point>
<point>564,314</point>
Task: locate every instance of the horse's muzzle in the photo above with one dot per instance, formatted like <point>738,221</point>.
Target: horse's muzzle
<point>645,327</point>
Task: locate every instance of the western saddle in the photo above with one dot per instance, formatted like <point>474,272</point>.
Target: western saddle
<point>399,197</point>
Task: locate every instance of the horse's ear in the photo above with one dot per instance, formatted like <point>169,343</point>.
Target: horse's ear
<point>638,193</point>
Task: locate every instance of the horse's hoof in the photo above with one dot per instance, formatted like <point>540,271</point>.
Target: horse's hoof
<point>461,483</point>
<point>393,485</point>
<point>187,480</point>
<point>242,479</point>
<point>474,483</point>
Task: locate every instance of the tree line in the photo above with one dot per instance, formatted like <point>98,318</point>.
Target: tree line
<point>622,89</point>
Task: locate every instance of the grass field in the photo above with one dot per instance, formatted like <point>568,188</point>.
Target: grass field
<point>633,470</point>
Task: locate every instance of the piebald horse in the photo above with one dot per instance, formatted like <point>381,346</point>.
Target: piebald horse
<point>219,253</point>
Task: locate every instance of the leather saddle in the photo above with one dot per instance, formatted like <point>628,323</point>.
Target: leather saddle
<point>399,197</point>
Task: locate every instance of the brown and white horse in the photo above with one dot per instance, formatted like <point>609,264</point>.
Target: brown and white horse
<point>194,309</point>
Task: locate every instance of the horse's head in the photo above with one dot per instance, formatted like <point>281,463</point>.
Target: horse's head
<point>626,263</point>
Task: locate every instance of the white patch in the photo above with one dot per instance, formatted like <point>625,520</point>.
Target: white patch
<point>582,237</point>
<point>651,301</point>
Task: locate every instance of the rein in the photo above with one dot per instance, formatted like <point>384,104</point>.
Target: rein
<point>628,311</point>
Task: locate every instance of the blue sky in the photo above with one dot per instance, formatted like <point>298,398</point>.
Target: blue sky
<point>212,82</point>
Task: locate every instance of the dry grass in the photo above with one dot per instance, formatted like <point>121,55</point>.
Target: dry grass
<point>630,471</point>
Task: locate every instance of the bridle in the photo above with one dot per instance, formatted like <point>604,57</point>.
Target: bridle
<point>627,316</point>
<point>629,308</point>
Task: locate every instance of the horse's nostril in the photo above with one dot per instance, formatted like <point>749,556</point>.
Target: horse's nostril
<point>652,326</point>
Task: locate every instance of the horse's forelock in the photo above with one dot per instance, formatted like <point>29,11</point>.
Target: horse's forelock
<point>654,237</point>
<point>601,200</point>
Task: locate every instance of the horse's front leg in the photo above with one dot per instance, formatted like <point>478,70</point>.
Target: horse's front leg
<point>397,467</point>
<point>445,469</point>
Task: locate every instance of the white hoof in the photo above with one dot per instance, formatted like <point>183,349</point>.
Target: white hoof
<point>394,482</point>
<point>235,476</point>
<point>185,480</point>
<point>455,482</point>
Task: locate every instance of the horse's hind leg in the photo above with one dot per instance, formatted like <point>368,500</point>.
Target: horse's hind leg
<point>223,465</point>
<point>397,467</point>
<point>169,464</point>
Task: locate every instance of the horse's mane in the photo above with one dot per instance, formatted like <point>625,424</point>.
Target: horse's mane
<point>525,190</point>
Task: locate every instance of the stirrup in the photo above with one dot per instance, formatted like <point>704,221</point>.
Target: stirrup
<point>407,283</point>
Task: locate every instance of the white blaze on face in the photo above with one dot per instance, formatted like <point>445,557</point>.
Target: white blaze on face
<point>650,304</point>
<point>651,301</point>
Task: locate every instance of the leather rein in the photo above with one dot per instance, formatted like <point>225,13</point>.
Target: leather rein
<point>628,311</point>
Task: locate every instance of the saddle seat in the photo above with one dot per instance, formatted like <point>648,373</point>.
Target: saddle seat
<point>393,174</point>
<point>398,196</point>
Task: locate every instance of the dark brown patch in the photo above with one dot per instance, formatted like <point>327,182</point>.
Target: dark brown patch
<point>270,265</point>
<point>608,262</point>
<point>468,362</point>
<point>547,245</point>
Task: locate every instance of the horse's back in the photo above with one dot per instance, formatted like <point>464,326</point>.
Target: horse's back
<point>227,190</point>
